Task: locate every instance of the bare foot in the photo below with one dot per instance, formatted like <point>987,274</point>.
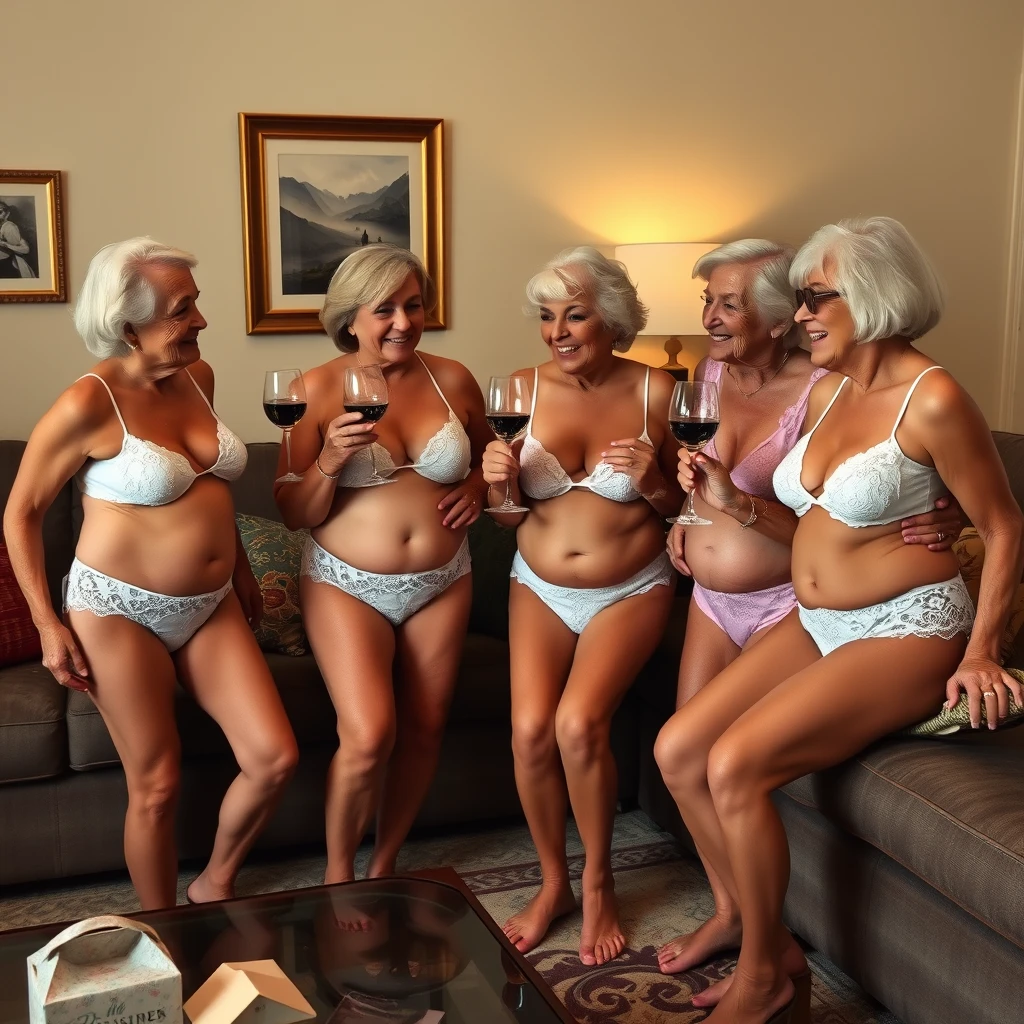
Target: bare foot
<point>714,936</point>
<point>525,929</point>
<point>601,939</point>
<point>794,963</point>
<point>347,917</point>
<point>203,890</point>
<point>753,1002</point>
<point>380,869</point>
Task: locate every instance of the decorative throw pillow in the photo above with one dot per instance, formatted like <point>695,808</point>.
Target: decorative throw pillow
<point>19,640</point>
<point>955,719</point>
<point>275,555</point>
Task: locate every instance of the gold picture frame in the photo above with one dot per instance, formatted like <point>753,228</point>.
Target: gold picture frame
<point>32,237</point>
<point>297,225</point>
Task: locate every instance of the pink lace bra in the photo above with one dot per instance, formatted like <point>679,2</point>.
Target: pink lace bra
<point>753,473</point>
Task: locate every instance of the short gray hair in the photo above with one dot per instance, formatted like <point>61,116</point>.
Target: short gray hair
<point>770,291</point>
<point>885,278</point>
<point>115,292</point>
<point>366,278</point>
<point>583,269</point>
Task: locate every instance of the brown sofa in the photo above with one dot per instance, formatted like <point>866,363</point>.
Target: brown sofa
<point>908,861</point>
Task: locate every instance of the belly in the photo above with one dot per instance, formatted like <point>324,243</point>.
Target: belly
<point>836,566</point>
<point>185,547</point>
<point>582,540</point>
<point>393,528</point>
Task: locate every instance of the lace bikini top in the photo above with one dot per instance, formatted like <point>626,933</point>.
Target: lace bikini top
<point>144,473</point>
<point>871,488</point>
<point>754,472</point>
<point>542,476</point>
<point>445,459</point>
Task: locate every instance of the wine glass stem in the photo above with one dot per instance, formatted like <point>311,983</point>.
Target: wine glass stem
<point>508,493</point>
<point>288,448</point>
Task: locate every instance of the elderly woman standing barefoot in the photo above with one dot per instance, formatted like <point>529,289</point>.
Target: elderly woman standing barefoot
<point>160,587</point>
<point>594,584</point>
<point>882,629</point>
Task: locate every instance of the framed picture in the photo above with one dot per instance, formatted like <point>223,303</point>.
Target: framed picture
<point>316,188</point>
<point>31,237</point>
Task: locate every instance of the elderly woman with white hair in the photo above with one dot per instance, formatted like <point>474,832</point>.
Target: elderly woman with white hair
<point>740,563</point>
<point>385,585</point>
<point>160,588</point>
<point>593,583</point>
<point>882,630</point>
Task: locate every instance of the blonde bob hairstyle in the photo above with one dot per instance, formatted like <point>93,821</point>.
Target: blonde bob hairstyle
<point>584,271</point>
<point>366,278</point>
<point>887,282</point>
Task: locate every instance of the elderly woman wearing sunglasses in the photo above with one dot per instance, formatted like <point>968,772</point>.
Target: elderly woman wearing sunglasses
<point>740,563</point>
<point>880,632</point>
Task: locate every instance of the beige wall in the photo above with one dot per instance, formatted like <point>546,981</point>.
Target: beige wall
<point>569,122</point>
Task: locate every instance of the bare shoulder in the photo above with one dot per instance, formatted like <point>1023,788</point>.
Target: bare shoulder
<point>450,374</point>
<point>202,373</point>
<point>822,392</point>
<point>662,386</point>
<point>939,396</point>
<point>85,405</point>
<point>701,369</point>
<point>324,379</point>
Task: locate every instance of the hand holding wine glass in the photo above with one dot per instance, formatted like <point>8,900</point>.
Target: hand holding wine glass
<point>693,417</point>
<point>366,392</point>
<point>508,413</point>
<point>284,402</point>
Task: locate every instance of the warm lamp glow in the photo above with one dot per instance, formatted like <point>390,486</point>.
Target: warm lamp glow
<point>662,273</point>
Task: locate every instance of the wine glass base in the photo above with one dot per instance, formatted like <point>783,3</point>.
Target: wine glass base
<point>288,478</point>
<point>688,520</point>
<point>509,509</point>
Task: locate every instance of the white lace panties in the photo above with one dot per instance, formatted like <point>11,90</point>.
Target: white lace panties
<point>174,620</point>
<point>576,606</point>
<point>936,609</point>
<point>395,595</point>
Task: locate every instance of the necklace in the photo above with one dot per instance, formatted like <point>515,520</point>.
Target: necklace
<point>750,394</point>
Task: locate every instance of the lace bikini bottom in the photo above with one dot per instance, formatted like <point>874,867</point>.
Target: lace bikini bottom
<point>576,606</point>
<point>396,596</point>
<point>936,609</point>
<point>174,620</point>
<point>740,616</point>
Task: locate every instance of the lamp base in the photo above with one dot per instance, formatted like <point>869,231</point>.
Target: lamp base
<point>673,346</point>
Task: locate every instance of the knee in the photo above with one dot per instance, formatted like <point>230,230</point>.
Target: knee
<point>533,740</point>
<point>276,768</point>
<point>678,754</point>
<point>582,736</point>
<point>154,794</point>
<point>365,750</point>
<point>736,774</point>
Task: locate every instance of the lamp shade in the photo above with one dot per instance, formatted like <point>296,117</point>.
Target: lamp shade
<point>662,273</point>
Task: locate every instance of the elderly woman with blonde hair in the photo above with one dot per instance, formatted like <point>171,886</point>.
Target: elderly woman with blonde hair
<point>385,586</point>
<point>882,630</point>
<point>593,584</point>
<point>160,588</point>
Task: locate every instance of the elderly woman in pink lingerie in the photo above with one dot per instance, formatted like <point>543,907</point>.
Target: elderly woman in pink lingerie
<point>592,583</point>
<point>740,564</point>
<point>160,589</point>
<point>882,630</point>
<point>385,585</point>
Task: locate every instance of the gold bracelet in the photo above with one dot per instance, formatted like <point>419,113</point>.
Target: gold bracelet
<point>326,476</point>
<point>753,512</point>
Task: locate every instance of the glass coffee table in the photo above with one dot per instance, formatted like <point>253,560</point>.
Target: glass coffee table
<point>391,951</point>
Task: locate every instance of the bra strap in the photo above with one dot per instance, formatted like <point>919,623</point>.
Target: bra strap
<point>533,401</point>
<point>113,401</point>
<point>647,392</point>
<point>203,393</point>
<point>906,401</point>
<point>842,384</point>
<point>434,382</point>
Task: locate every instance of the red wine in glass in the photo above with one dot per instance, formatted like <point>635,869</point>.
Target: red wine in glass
<point>366,392</point>
<point>693,418</point>
<point>370,413</point>
<point>284,402</point>
<point>508,426</point>
<point>693,434</point>
<point>283,412</point>
<point>508,413</point>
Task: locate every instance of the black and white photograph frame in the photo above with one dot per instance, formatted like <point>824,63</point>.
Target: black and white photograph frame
<point>31,237</point>
<point>317,188</point>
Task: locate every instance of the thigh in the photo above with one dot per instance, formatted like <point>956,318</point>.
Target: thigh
<point>132,684</point>
<point>707,650</point>
<point>223,668</point>
<point>834,708</point>
<point>428,652</point>
<point>354,647</point>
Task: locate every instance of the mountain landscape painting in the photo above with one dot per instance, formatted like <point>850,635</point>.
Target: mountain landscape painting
<point>331,204</point>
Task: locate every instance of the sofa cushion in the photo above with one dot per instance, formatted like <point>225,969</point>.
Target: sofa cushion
<point>253,491</point>
<point>33,738</point>
<point>19,640</point>
<point>951,813</point>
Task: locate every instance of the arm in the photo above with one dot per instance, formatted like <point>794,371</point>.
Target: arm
<point>463,504</point>
<point>500,468</point>
<point>13,240</point>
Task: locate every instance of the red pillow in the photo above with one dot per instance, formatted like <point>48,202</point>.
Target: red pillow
<point>19,640</point>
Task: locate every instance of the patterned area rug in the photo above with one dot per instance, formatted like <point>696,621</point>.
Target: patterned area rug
<point>661,891</point>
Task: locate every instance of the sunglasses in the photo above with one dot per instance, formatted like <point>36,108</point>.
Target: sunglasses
<point>810,299</point>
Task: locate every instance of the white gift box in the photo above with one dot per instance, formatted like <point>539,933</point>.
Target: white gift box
<point>104,970</point>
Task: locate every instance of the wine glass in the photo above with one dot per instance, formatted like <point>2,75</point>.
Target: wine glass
<point>693,417</point>
<point>366,392</point>
<point>284,402</point>
<point>508,413</point>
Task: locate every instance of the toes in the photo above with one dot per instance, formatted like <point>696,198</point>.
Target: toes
<point>587,956</point>
<point>522,945</point>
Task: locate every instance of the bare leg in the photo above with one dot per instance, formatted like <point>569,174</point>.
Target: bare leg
<point>354,647</point>
<point>542,647</point>
<point>223,669</point>
<point>817,718</point>
<point>429,649</point>
<point>132,685</point>
<point>611,650</point>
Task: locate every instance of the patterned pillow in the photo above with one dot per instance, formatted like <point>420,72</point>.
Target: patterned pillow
<point>275,555</point>
<point>19,640</point>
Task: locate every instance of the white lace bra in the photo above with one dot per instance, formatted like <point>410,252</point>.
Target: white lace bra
<point>144,473</point>
<point>541,475</point>
<point>871,488</point>
<point>445,458</point>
